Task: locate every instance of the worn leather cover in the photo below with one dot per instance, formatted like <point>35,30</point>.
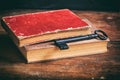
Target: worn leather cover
<point>34,24</point>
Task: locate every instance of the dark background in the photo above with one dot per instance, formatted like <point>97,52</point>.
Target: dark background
<point>96,5</point>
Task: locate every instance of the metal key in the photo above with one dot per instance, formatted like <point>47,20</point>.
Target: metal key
<point>98,34</point>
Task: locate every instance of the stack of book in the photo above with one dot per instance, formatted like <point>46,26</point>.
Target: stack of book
<point>33,33</point>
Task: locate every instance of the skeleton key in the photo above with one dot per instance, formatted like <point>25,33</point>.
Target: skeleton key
<point>98,34</point>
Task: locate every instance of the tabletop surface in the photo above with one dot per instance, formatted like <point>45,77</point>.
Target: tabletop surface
<point>104,66</point>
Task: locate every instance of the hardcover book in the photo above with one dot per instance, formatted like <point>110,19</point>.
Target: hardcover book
<point>30,28</point>
<point>48,51</point>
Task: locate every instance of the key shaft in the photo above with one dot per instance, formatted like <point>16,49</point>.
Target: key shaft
<point>98,34</point>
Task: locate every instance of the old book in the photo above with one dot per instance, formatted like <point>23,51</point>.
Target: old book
<point>48,51</point>
<point>30,28</point>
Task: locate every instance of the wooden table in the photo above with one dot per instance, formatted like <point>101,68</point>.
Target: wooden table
<point>101,67</point>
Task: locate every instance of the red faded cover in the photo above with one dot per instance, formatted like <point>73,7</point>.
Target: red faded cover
<point>39,23</point>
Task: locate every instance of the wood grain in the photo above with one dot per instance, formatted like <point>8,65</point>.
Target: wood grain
<point>99,67</point>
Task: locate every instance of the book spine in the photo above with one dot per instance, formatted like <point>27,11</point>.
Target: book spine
<point>10,33</point>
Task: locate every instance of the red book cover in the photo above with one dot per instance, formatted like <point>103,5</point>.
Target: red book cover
<point>39,23</point>
<point>36,27</point>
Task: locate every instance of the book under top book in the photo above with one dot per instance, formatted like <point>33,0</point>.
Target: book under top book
<point>31,28</point>
<point>49,51</point>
